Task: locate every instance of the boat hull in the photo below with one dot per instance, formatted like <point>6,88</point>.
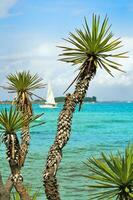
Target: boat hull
<point>48,106</point>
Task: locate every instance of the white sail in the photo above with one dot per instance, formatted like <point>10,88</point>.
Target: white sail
<point>50,100</point>
<point>50,96</point>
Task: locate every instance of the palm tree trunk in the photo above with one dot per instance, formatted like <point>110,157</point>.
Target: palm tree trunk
<point>13,156</point>
<point>25,137</point>
<point>9,184</point>
<point>23,150</point>
<point>63,134</point>
<point>4,193</point>
<point>20,188</point>
<point>17,181</point>
<point>5,190</point>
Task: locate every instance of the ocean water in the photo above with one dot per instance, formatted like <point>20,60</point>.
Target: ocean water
<point>96,128</point>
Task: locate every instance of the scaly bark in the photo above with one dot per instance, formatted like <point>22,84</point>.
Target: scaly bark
<point>22,191</point>
<point>24,105</point>
<point>9,184</point>
<point>4,193</point>
<point>25,140</point>
<point>5,190</point>
<point>22,83</point>
<point>63,132</point>
<point>13,156</point>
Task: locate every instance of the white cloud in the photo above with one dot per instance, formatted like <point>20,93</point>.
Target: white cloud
<point>42,58</point>
<point>5,7</point>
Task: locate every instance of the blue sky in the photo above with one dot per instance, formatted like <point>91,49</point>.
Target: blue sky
<point>31,30</point>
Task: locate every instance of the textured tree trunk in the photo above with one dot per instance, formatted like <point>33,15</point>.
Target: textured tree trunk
<point>63,134</point>
<point>24,144</point>
<point>4,193</point>
<point>9,184</point>
<point>26,109</point>
<point>22,191</point>
<point>16,179</point>
<point>17,162</point>
<point>13,150</point>
<point>5,190</point>
<point>25,139</point>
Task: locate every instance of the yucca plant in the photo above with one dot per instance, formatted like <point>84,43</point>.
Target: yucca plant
<point>10,123</point>
<point>112,176</point>
<point>24,84</point>
<point>90,49</point>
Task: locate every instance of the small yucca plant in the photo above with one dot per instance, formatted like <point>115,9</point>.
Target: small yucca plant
<point>112,176</point>
<point>24,83</point>
<point>11,122</point>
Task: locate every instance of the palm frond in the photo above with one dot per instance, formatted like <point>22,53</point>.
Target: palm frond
<point>24,82</point>
<point>13,120</point>
<point>112,176</point>
<point>96,43</point>
<point>10,121</point>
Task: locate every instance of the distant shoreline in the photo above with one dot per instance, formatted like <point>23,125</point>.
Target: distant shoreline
<point>42,102</point>
<point>57,100</point>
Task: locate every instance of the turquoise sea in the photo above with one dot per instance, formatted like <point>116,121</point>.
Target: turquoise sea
<point>97,127</point>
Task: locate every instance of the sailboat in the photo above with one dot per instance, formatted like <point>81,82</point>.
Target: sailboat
<point>50,100</point>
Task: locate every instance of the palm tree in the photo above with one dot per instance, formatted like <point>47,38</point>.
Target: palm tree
<point>10,123</point>
<point>89,49</point>
<point>24,84</point>
<point>113,176</point>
